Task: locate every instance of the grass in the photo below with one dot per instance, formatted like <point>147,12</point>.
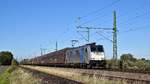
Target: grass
<point>4,77</point>
<point>76,76</point>
<point>16,75</point>
<point>20,76</point>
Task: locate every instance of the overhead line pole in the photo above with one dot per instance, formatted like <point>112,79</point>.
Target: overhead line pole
<point>88,31</point>
<point>56,46</point>
<point>114,31</point>
<point>41,49</point>
<point>114,37</point>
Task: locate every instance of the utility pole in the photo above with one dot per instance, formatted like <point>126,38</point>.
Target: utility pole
<point>114,37</point>
<point>44,50</point>
<point>56,46</point>
<point>41,51</point>
<point>88,33</point>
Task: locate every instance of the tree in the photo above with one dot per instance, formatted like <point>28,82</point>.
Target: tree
<point>127,57</point>
<point>143,59</point>
<point>127,61</point>
<point>6,57</point>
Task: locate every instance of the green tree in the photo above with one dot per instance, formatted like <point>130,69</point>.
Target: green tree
<point>6,57</point>
<point>127,57</point>
<point>143,59</point>
<point>127,61</point>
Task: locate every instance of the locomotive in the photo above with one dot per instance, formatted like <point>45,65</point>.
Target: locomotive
<point>87,56</point>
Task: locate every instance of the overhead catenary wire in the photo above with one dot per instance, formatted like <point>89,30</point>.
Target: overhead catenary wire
<point>135,29</point>
<point>94,19</point>
<point>106,33</point>
<point>106,6</point>
<point>82,35</point>
<point>104,37</point>
<point>135,17</point>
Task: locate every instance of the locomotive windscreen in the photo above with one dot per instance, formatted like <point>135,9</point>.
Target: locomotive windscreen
<point>98,48</point>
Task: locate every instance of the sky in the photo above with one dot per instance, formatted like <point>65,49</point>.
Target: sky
<point>28,25</point>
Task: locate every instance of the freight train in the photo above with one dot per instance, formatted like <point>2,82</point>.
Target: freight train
<point>87,56</point>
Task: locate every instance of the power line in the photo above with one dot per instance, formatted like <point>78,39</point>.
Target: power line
<point>135,29</point>
<point>136,17</point>
<point>106,6</point>
<point>94,28</point>
<point>126,14</point>
<point>88,30</point>
<point>104,37</point>
<point>82,35</point>
<point>92,20</point>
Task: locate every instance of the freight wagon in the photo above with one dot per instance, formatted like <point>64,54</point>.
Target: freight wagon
<point>89,55</point>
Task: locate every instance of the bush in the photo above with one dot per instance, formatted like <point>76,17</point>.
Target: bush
<point>13,66</point>
<point>127,57</point>
<point>14,62</point>
<point>112,64</point>
<point>128,62</point>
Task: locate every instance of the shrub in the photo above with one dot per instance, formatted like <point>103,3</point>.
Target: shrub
<point>14,62</point>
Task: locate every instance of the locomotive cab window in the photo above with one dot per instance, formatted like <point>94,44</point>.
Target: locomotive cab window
<point>93,48</point>
<point>98,48</point>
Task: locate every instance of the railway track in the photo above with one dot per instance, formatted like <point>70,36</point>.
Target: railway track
<point>129,71</point>
<point>131,78</point>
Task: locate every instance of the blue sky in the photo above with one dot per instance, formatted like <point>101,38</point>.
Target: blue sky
<point>28,25</point>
